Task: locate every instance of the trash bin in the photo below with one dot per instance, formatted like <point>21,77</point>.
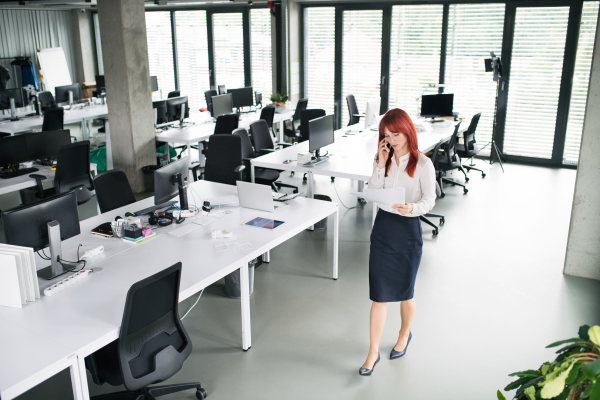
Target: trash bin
<point>148,171</point>
<point>232,283</point>
<point>322,224</point>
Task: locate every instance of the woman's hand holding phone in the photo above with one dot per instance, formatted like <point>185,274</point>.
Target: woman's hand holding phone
<point>383,153</point>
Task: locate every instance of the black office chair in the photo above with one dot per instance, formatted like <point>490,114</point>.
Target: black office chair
<point>224,159</point>
<point>425,218</point>
<point>72,173</point>
<point>47,100</point>
<point>208,95</point>
<point>353,110</point>
<point>113,190</point>
<point>447,160</point>
<point>53,119</point>
<point>294,133</point>
<point>227,123</point>
<point>174,93</point>
<point>469,148</point>
<point>262,139</point>
<point>4,134</point>
<point>152,344</point>
<point>268,114</point>
<point>306,116</point>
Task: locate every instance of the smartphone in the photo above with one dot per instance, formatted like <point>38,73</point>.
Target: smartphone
<point>387,147</point>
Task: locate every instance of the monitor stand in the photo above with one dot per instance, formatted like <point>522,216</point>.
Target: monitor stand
<point>318,160</point>
<point>182,183</point>
<point>13,110</point>
<point>55,269</point>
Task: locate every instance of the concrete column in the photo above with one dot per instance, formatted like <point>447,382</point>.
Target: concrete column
<point>127,78</point>
<point>84,44</point>
<point>583,246</point>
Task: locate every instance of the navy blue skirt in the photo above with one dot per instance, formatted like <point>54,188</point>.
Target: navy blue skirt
<point>396,248</point>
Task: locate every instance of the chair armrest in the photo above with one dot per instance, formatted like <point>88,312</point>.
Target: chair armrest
<point>239,168</point>
<point>38,180</point>
<point>358,115</point>
<point>38,177</point>
<point>283,144</point>
<point>262,152</point>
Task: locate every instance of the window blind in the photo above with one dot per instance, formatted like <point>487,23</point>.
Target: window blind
<point>536,70</point>
<point>260,37</point>
<point>160,49</point>
<point>415,54</point>
<point>361,58</point>
<point>229,49</point>
<point>192,57</point>
<point>473,31</point>
<point>581,78</point>
<point>319,57</point>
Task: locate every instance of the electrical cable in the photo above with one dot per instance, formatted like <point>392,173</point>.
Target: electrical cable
<point>43,257</point>
<point>336,192</point>
<point>194,305</point>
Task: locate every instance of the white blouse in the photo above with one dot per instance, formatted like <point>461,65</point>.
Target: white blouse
<point>420,189</point>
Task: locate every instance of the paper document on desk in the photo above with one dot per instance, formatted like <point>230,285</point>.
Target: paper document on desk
<point>383,196</point>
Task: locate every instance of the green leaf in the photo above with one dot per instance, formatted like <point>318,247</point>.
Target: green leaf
<point>530,372</point>
<point>530,392</point>
<point>583,332</point>
<point>555,382</point>
<point>530,383</point>
<point>595,393</point>
<point>594,334</point>
<point>592,370</point>
<point>517,383</point>
<point>544,368</point>
<point>565,341</point>
<point>587,391</point>
<point>500,395</point>
<point>573,374</point>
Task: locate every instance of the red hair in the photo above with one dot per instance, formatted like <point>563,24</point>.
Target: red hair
<point>398,121</point>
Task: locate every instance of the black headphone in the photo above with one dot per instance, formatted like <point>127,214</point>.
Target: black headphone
<point>160,219</point>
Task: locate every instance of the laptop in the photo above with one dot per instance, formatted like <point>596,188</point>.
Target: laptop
<point>257,197</point>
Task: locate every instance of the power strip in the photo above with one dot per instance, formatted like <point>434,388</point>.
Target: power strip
<point>65,283</point>
<point>93,252</point>
<point>184,213</point>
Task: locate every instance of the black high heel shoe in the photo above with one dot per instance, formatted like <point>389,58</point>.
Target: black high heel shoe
<point>397,354</point>
<point>367,372</point>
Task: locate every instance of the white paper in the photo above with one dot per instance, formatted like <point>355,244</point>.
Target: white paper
<point>9,281</point>
<point>29,270</point>
<point>383,196</point>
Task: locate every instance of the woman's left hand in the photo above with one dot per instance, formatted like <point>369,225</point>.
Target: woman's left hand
<point>403,209</point>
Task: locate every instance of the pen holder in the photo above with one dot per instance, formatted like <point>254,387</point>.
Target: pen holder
<point>118,228</point>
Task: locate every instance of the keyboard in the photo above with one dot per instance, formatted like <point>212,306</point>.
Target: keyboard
<point>184,230</point>
<point>19,172</point>
<point>154,208</point>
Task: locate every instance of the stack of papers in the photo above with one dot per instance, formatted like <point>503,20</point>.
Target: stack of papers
<point>18,276</point>
<point>383,196</point>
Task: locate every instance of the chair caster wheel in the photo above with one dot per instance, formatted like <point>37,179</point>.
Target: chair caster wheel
<point>482,175</point>
<point>333,179</point>
<point>442,221</point>
<point>435,232</point>
<point>201,394</point>
<point>466,191</point>
<point>292,173</point>
<point>304,179</point>
<point>295,191</point>
<point>466,179</point>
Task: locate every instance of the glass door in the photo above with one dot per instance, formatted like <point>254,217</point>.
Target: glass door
<point>535,77</point>
<point>361,58</point>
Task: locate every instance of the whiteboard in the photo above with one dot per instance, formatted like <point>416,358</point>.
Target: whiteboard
<point>54,68</point>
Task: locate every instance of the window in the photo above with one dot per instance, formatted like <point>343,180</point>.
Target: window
<point>160,50</point>
<point>192,57</point>
<point>415,54</point>
<point>581,78</point>
<point>260,36</point>
<point>361,63</point>
<point>473,31</point>
<point>229,49</point>
<point>319,57</point>
<point>535,76</point>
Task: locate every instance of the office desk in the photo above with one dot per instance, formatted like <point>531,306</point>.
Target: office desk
<point>82,115</point>
<point>204,128</point>
<point>87,316</point>
<point>29,358</point>
<point>24,181</point>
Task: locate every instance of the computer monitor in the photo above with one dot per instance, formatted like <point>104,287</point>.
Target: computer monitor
<point>320,133</point>
<point>61,93</point>
<point>161,111</point>
<point>174,108</point>
<point>28,226</point>
<point>100,83</point>
<point>153,84</point>
<point>372,112</point>
<point>170,180</point>
<point>13,150</point>
<point>437,105</point>
<point>222,105</point>
<point>241,97</point>
<point>45,145</point>
<point>7,94</point>
<point>222,89</point>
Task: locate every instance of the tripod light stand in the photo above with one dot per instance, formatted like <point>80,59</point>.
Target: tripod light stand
<point>494,65</point>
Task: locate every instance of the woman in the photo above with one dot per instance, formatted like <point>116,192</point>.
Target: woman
<point>396,241</point>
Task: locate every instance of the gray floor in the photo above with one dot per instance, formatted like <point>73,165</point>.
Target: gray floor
<point>490,296</point>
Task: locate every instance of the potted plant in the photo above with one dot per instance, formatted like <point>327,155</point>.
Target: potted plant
<point>278,99</point>
<point>573,375</point>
